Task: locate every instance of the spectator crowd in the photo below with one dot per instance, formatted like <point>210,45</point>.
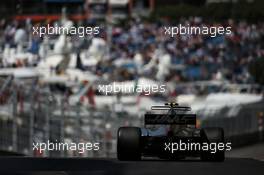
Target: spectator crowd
<point>139,48</point>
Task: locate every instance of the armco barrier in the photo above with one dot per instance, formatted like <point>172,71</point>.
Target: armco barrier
<point>244,128</point>
<point>39,119</point>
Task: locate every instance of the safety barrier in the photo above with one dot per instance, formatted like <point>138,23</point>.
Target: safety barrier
<point>246,127</point>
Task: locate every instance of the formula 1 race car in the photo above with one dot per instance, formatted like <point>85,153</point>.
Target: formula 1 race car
<point>170,132</point>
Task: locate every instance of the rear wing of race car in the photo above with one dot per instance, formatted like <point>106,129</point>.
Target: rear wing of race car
<point>165,119</point>
<point>173,117</point>
<point>176,108</point>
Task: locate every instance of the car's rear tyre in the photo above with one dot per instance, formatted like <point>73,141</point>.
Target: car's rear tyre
<point>213,135</point>
<point>128,143</point>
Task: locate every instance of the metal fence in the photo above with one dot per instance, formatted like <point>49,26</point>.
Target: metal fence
<point>31,114</point>
<point>242,124</point>
<point>35,115</point>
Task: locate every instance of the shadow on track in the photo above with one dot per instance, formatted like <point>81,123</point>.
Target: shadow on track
<point>80,166</point>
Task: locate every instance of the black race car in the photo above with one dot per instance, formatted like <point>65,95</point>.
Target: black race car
<point>170,132</point>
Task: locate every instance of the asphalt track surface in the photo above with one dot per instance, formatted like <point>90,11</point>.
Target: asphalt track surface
<point>241,161</point>
<point>255,151</point>
<point>82,166</point>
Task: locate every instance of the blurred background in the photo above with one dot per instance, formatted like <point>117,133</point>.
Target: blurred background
<point>49,85</point>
